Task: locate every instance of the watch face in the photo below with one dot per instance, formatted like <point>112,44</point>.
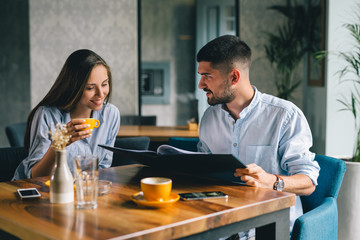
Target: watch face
<point>280,185</point>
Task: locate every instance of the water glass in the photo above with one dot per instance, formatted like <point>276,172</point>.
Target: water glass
<point>86,181</point>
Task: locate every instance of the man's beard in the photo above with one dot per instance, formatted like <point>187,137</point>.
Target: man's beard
<point>226,97</point>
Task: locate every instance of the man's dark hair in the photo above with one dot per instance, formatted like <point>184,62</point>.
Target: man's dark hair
<point>224,51</point>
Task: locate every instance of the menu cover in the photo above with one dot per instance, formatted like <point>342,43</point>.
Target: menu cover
<point>175,159</point>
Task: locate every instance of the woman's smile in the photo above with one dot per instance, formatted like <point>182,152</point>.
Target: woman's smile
<point>97,102</point>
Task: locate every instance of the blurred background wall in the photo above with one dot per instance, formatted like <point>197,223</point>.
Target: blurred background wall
<point>41,34</point>
<point>14,64</point>
<point>38,35</point>
<point>168,35</point>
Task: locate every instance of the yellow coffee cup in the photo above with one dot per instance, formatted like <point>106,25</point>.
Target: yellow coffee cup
<point>156,188</point>
<point>94,123</point>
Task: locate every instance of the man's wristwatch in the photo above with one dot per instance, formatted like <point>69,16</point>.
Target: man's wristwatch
<point>279,184</point>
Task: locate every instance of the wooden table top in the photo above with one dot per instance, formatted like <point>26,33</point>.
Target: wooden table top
<point>157,133</point>
<point>120,218</point>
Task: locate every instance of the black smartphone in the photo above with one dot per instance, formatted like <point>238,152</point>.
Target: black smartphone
<point>202,195</point>
<point>28,193</point>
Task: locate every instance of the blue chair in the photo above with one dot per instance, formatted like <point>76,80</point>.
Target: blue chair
<point>189,144</point>
<point>320,219</point>
<point>15,134</point>
<point>136,143</point>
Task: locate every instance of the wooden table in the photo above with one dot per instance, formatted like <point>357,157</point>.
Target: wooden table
<point>117,217</point>
<point>157,133</point>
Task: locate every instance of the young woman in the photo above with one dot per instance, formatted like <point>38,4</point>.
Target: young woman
<point>82,90</point>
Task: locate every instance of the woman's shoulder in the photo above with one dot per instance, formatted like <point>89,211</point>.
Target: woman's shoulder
<point>47,111</point>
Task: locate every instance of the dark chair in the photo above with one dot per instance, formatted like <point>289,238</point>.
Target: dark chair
<point>320,219</point>
<point>136,143</point>
<point>137,120</point>
<point>15,134</point>
<point>189,144</point>
<point>10,158</point>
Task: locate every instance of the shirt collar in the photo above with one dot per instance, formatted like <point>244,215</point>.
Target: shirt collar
<point>66,116</point>
<point>99,114</point>
<point>252,104</point>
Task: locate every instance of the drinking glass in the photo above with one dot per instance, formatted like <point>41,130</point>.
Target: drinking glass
<point>86,181</point>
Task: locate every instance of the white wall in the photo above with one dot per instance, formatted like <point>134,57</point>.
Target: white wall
<point>340,133</point>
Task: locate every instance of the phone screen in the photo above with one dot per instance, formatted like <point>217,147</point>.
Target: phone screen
<point>202,195</point>
<point>29,193</point>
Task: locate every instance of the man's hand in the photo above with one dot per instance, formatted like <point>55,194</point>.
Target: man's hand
<point>255,176</point>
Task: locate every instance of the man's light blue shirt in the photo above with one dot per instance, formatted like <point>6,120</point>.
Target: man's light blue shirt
<point>46,118</point>
<point>271,132</point>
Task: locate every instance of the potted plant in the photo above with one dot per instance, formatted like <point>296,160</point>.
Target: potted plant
<point>351,72</point>
<point>292,40</point>
<point>348,207</point>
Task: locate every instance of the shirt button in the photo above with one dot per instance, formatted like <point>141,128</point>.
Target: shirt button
<point>234,144</point>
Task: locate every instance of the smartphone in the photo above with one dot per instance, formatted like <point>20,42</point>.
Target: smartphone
<point>28,193</point>
<point>202,195</point>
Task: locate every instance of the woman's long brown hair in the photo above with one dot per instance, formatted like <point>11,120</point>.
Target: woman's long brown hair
<point>69,85</point>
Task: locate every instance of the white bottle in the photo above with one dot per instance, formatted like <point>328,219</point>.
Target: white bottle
<point>61,180</point>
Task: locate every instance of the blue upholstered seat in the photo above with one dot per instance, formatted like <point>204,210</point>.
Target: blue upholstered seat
<point>189,144</point>
<point>15,134</point>
<point>320,219</point>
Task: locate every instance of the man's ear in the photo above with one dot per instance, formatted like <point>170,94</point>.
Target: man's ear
<point>235,76</point>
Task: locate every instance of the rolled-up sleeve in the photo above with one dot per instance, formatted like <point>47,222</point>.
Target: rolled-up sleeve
<point>39,143</point>
<point>294,147</point>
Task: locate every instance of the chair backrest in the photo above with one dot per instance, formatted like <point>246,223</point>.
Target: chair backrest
<point>15,134</point>
<point>136,143</point>
<point>189,144</point>
<point>329,182</point>
<point>10,158</point>
<point>137,120</point>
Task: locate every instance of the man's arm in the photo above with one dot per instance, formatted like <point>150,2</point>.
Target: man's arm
<point>254,175</point>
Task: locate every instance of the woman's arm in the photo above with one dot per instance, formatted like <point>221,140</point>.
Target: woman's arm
<point>46,163</point>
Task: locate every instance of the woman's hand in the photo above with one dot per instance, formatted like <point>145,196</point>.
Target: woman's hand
<point>75,127</point>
